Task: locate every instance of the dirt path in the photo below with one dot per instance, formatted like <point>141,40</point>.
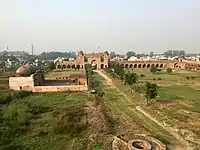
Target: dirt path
<point>139,111</point>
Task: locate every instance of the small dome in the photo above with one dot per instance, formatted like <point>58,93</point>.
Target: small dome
<point>21,69</point>
<point>26,70</point>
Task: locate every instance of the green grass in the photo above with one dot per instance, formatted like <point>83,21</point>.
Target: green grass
<point>45,121</point>
<point>62,73</point>
<point>123,104</point>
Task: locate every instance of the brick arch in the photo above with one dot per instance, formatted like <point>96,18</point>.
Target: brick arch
<point>144,66</point>
<point>59,66</point>
<point>131,66</point>
<point>140,65</point>
<point>64,66</point>
<point>161,65</point>
<point>68,66</point>
<point>176,65</point>
<point>102,66</point>
<point>73,66</point>
<point>135,66</point>
<point>148,65</point>
<point>126,66</point>
<point>157,65</point>
<point>152,65</point>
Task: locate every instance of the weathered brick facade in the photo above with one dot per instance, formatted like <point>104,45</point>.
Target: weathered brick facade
<point>98,60</point>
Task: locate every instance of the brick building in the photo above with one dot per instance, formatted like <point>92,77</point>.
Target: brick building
<point>97,60</point>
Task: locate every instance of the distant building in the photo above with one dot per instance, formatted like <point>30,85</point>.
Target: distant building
<point>97,60</point>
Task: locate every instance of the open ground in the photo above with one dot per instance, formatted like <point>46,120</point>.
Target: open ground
<point>82,121</point>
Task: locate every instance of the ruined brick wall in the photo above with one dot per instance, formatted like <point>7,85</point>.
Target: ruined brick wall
<point>21,83</point>
<point>68,88</point>
<point>38,78</point>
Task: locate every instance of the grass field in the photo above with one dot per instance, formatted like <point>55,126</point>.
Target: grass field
<point>123,104</point>
<point>178,101</point>
<point>45,121</point>
<point>62,73</point>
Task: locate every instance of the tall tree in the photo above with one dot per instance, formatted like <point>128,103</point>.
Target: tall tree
<point>130,78</point>
<point>150,91</point>
<point>130,53</point>
<point>112,55</point>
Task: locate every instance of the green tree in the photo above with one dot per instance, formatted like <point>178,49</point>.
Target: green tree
<point>112,55</point>
<point>169,70</point>
<point>130,53</point>
<point>51,65</point>
<point>150,91</point>
<point>130,78</point>
<point>154,69</point>
<point>119,71</point>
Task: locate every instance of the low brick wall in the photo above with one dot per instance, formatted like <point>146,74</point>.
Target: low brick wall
<point>68,88</point>
<point>21,83</point>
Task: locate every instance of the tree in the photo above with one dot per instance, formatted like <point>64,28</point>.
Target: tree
<point>119,71</point>
<point>154,69</point>
<point>51,65</point>
<point>169,70</point>
<point>130,78</point>
<point>151,54</point>
<point>150,91</point>
<point>130,53</point>
<point>112,55</point>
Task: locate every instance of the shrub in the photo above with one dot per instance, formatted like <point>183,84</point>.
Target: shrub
<point>142,75</point>
<point>13,95</point>
<point>159,78</point>
<point>192,77</point>
<point>187,78</point>
<point>154,78</point>
<point>139,89</point>
<point>70,120</point>
<point>154,69</point>
<point>169,70</point>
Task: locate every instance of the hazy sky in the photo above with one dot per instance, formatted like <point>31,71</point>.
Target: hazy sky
<point>117,25</point>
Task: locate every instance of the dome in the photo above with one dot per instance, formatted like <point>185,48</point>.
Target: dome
<point>26,70</point>
<point>21,69</point>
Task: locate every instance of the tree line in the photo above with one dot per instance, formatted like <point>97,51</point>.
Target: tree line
<point>168,53</point>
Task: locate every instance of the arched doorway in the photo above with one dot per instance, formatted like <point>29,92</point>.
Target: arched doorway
<point>64,66</point>
<point>126,66</point>
<point>161,65</point>
<point>102,66</point>
<point>152,65</point>
<point>139,66</point>
<point>78,67</point>
<point>123,65</point>
<point>94,64</point>
<point>157,65</point>
<point>59,66</point>
<point>68,66</point>
<point>144,66</point>
<point>135,66</point>
<point>73,66</point>
<point>131,66</point>
<point>148,66</point>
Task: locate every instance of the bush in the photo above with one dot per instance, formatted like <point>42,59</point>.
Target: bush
<point>154,69</point>
<point>142,75</point>
<point>154,78</point>
<point>187,78</point>
<point>159,78</point>
<point>13,95</point>
<point>192,77</point>
<point>169,70</point>
<point>70,120</point>
<point>139,89</point>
